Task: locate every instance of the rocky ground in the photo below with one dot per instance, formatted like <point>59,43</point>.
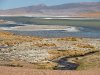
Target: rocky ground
<point>67,53</point>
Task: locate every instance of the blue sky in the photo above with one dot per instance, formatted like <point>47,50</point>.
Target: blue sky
<point>8,4</point>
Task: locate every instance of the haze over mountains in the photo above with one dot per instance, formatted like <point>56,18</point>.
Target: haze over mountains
<point>69,9</point>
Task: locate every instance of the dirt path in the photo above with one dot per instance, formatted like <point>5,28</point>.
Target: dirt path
<point>22,71</point>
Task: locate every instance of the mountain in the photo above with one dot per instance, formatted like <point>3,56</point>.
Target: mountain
<point>69,9</point>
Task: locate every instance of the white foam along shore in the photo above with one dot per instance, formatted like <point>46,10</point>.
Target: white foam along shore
<point>42,28</point>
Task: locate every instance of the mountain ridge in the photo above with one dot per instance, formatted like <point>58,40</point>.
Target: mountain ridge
<point>67,9</point>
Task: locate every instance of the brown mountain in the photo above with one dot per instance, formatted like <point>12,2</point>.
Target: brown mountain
<point>70,9</point>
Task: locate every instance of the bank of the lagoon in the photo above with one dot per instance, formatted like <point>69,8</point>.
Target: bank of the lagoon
<point>67,53</point>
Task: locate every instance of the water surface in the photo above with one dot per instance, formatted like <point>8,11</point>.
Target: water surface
<point>86,27</point>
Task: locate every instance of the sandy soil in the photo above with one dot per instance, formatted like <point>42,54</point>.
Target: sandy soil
<point>22,71</point>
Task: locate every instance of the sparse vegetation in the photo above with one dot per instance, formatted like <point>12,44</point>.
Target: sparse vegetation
<point>80,45</point>
<point>68,39</point>
<point>89,62</point>
<point>69,53</point>
<point>10,39</point>
<point>28,48</point>
<point>45,44</point>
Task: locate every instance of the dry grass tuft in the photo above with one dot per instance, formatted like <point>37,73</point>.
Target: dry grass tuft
<point>84,45</point>
<point>9,39</point>
<point>68,53</point>
<point>68,39</point>
<point>45,44</point>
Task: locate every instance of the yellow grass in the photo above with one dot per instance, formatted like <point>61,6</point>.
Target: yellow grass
<point>80,45</point>
<point>68,39</point>
<point>45,44</point>
<point>68,53</point>
<point>10,39</point>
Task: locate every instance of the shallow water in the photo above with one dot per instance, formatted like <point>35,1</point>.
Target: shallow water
<point>58,34</point>
<point>81,27</point>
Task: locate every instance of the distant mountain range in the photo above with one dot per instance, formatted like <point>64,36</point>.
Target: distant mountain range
<point>70,9</point>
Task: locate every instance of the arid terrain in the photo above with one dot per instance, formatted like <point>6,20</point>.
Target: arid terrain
<point>67,53</point>
<point>50,38</point>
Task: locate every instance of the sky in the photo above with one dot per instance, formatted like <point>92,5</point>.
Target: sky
<point>9,4</point>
